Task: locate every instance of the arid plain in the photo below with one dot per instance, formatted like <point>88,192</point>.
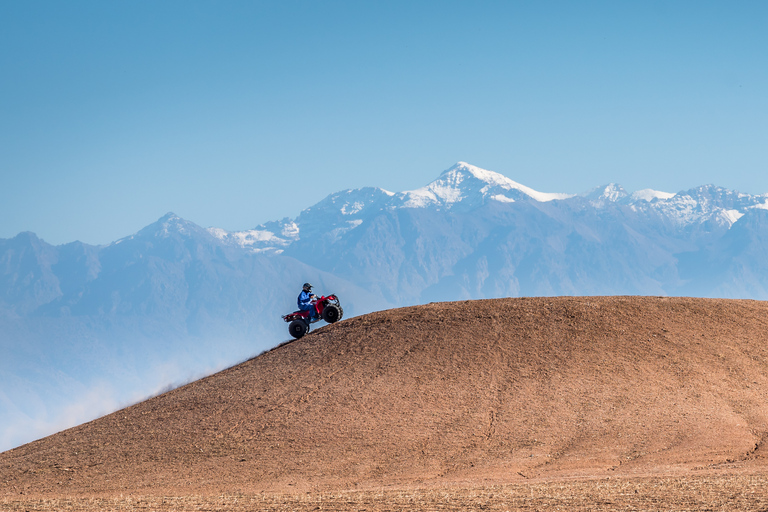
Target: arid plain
<point>568,403</point>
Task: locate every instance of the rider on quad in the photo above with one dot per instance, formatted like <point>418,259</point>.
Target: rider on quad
<point>306,302</point>
<point>312,309</point>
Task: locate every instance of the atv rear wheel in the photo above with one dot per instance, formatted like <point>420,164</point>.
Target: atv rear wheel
<point>332,313</point>
<point>298,328</point>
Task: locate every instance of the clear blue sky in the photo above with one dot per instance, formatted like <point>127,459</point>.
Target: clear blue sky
<point>233,113</point>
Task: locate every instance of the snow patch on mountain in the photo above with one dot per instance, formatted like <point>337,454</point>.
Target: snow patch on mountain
<point>434,193</point>
<point>494,179</point>
<point>648,195</point>
<point>337,232</point>
<point>502,199</point>
<point>260,239</point>
<point>257,240</point>
<point>731,216</point>
<point>290,230</point>
<point>682,209</point>
<point>352,209</point>
<point>352,202</point>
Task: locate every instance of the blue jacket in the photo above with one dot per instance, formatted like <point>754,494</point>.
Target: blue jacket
<point>305,300</point>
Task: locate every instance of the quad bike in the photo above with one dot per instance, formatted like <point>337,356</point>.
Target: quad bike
<point>328,308</point>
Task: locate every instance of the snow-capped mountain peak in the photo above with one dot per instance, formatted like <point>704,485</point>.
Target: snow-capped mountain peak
<point>462,185</point>
<point>611,193</point>
<point>169,225</point>
<point>472,186</point>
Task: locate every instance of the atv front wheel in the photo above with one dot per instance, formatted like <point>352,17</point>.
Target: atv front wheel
<point>298,328</point>
<point>332,313</point>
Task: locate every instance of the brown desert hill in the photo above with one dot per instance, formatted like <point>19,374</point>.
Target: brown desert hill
<point>473,393</point>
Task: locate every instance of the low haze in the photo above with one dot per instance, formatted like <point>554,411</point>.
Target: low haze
<point>231,114</point>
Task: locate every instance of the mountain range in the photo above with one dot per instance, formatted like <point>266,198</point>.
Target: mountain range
<point>87,329</point>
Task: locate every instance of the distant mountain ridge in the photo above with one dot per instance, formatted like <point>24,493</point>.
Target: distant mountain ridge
<point>465,187</point>
<point>175,299</point>
<point>606,241</point>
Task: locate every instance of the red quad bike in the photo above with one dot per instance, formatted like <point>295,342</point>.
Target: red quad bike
<point>328,308</point>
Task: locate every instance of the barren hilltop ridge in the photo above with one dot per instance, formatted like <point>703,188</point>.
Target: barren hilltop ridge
<point>470,394</point>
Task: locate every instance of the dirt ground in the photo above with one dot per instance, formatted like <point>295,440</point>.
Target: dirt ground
<point>707,493</point>
<point>571,403</point>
